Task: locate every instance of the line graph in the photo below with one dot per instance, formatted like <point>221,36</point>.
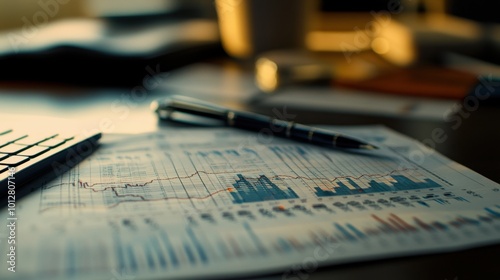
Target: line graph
<point>91,186</point>
<point>194,203</point>
<point>242,197</point>
<point>221,177</point>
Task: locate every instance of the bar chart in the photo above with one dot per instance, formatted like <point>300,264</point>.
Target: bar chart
<point>179,247</point>
<point>259,189</point>
<point>393,184</point>
<point>222,205</point>
<point>202,178</point>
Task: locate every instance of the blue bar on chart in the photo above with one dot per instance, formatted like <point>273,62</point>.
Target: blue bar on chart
<point>120,254</point>
<point>189,253</point>
<point>156,248</point>
<point>393,224</point>
<point>131,257</point>
<point>255,239</point>
<point>149,256</point>
<point>345,232</point>
<point>401,183</point>
<point>71,259</point>
<point>283,245</point>
<point>492,212</point>
<point>199,247</point>
<point>258,189</point>
<point>439,225</point>
<point>423,203</point>
<point>169,248</point>
<point>356,231</point>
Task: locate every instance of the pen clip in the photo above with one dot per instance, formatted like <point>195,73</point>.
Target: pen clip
<point>188,110</point>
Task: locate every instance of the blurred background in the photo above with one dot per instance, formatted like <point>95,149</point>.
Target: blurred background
<point>58,40</point>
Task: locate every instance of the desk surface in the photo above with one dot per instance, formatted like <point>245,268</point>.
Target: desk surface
<point>472,143</point>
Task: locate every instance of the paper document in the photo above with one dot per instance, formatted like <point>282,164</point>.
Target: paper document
<point>192,203</point>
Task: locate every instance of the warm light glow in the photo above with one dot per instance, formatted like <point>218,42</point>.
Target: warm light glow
<point>396,44</point>
<point>266,75</point>
<point>380,45</point>
<point>336,41</point>
<point>233,25</point>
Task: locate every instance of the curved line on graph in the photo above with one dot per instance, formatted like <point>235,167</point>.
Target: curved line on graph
<point>163,198</point>
<point>88,186</point>
<point>125,185</point>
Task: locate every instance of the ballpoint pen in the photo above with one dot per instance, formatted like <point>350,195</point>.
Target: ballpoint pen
<point>255,122</point>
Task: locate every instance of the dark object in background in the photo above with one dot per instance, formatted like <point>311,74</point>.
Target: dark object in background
<point>484,11</point>
<point>115,52</point>
<point>421,81</point>
<point>486,92</point>
<point>353,5</point>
